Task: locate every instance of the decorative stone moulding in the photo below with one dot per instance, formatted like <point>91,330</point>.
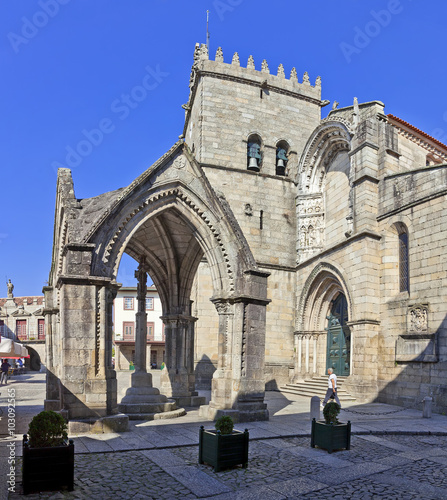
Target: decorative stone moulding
<point>418,344</point>
<point>202,54</point>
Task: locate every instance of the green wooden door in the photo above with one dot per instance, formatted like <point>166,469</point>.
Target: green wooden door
<point>339,338</point>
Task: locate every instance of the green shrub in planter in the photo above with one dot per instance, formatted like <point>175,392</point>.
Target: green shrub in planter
<point>46,429</point>
<point>331,434</point>
<point>330,413</point>
<point>223,447</point>
<point>224,424</point>
<point>48,459</point>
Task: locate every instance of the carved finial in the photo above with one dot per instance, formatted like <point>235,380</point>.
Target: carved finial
<point>356,112</point>
<point>281,73</point>
<point>264,67</point>
<point>219,55</point>
<point>306,78</point>
<point>250,63</point>
<point>235,59</point>
<point>318,81</point>
<point>335,105</point>
<point>203,52</point>
<point>293,75</point>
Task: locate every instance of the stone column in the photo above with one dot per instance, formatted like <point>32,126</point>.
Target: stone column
<point>300,353</point>
<point>177,378</point>
<point>117,357</point>
<point>140,372</point>
<point>307,354</point>
<point>238,385</point>
<point>314,367</point>
<point>222,382</point>
<point>142,400</point>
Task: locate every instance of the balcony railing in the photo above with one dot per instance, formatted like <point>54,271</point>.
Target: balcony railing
<point>131,338</point>
<point>25,337</point>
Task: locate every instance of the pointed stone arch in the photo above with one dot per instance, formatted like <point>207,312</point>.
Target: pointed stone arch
<point>329,139</point>
<point>324,284</point>
<point>167,219</point>
<point>332,136</point>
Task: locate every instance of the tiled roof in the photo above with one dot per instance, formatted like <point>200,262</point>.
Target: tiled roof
<point>19,301</point>
<point>418,131</point>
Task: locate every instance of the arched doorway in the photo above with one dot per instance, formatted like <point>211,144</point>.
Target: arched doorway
<point>322,336</point>
<point>339,338</point>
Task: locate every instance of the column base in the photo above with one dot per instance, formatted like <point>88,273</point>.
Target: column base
<point>252,412</point>
<point>112,423</point>
<point>189,401</point>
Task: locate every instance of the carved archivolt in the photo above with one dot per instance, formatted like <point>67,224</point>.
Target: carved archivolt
<point>322,286</point>
<point>177,193</point>
<point>330,138</point>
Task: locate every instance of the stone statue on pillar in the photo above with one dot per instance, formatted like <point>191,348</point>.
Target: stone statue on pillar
<point>10,289</point>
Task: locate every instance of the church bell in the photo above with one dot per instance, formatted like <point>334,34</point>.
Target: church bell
<point>253,164</point>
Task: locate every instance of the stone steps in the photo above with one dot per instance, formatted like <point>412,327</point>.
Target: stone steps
<point>179,412</point>
<point>317,386</point>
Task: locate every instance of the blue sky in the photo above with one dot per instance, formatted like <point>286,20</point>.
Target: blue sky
<point>68,65</point>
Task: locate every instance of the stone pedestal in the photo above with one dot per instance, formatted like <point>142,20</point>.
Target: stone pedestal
<point>142,401</point>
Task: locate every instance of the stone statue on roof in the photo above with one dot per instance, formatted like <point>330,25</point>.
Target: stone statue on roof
<point>10,289</point>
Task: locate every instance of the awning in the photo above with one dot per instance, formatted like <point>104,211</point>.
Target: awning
<point>11,349</point>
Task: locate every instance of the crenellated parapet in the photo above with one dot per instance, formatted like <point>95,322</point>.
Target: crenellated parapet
<point>261,77</point>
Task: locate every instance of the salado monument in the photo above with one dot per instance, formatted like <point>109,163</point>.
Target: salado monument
<point>281,244</point>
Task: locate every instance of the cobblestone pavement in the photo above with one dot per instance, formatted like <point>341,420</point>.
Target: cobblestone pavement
<point>385,467</point>
<point>159,460</point>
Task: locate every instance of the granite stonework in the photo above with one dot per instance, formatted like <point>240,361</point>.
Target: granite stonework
<point>281,244</point>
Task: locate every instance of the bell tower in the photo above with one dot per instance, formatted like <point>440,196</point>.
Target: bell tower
<point>246,118</point>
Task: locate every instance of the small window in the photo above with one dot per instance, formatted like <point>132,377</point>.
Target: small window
<point>404,285</point>
<point>254,154</point>
<point>41,329</point>
<point>149,303</point>
<point>21,329</point>
<point>128,330</point>
<point>128,303</point>
<point>2,328</point>
<point>150,331</point>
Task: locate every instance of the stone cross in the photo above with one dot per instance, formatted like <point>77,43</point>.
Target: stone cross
<point>141,318</point>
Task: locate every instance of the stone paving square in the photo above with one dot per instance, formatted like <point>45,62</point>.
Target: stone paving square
<point>158,465</point>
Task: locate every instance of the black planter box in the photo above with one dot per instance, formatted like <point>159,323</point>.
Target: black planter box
<point>47,469</point>
<point>223,450</point>
<point>330,437</point>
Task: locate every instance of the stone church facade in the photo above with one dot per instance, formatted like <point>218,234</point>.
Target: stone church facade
<point>281,244</point>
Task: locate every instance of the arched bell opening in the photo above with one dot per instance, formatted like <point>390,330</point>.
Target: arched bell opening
<point>254,153</point>
<point>282,157</point>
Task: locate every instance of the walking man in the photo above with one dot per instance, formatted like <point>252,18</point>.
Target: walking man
<point>4,372</point>
<point>332,388</point>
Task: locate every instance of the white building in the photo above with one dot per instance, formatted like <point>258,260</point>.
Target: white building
<point>124,310</point>
<point>22,320</point>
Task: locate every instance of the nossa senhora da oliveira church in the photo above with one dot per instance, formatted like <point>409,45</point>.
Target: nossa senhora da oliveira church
<point>281,244</point>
